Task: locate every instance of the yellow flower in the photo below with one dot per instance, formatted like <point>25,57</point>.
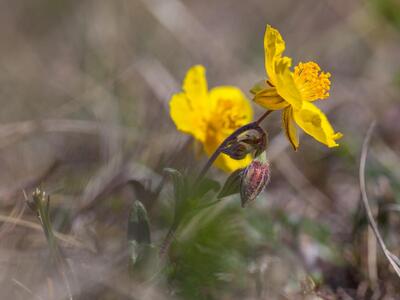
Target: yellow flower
<point>210,116</point>
<point>294,91</point>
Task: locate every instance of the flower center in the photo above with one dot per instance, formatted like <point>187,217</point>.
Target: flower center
<point>225,118</point>
<point>311,81</point>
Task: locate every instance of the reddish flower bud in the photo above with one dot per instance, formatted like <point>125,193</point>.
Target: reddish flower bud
<point>254,179</point>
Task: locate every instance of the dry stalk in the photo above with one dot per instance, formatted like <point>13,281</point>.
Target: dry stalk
<point>393,260</point>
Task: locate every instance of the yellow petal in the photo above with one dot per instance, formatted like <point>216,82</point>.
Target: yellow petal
<point>290,127</point>
<point>227,164</point>
<point>191,109</point>
<point>314,122</point>
<point>270,99</point>
<point>274,46</point>
<point>231,109</point>
<point>196,89</point>
<point>186,117</point>
<point>285,84</point>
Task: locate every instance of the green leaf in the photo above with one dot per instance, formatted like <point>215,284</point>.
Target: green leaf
<point>206,185</point>
<point>138,231</point>
<point>179,184</point>
<point>181,192</point>
<point>231,185</point>
<point>138,224</point>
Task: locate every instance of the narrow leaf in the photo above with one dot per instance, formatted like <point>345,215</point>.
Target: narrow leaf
<point>179,183</point>
<point>138,232</point>
<point>231,185</point>
<point>138,224</point>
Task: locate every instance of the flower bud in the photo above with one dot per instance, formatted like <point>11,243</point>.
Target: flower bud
<point>253,140</point>
<point>238,150</point>
<point>254,179</point>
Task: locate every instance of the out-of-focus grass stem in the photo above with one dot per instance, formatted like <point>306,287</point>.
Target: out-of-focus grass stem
<point>40,205</point>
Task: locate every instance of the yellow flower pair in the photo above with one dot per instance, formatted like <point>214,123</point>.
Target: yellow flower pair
<point>211,116</point>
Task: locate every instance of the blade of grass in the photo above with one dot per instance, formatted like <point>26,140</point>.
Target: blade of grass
<point>40,205</point>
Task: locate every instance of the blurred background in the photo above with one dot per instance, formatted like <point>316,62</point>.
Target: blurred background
<point>84,93</point>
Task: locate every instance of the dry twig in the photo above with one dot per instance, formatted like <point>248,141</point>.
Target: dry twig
<point>393,260</point>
